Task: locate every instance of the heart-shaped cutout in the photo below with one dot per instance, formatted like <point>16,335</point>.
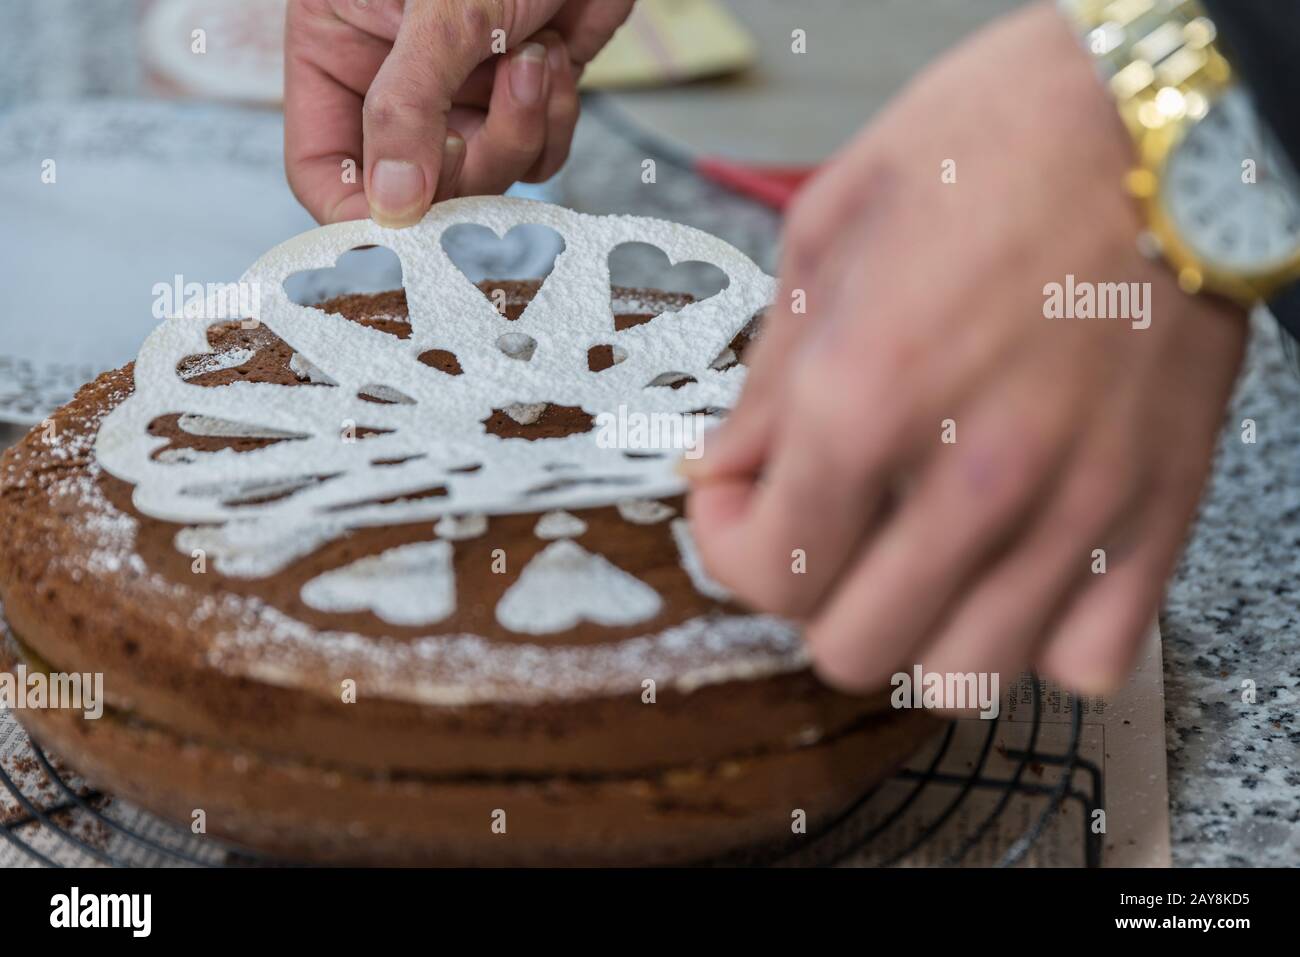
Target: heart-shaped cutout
<point>527,252</point>
<point>644,266</point>
<point>604,356</point>
<point>565,584</point>
<point>517,345</point>
<point>408,585</point>
<point>366,269</point>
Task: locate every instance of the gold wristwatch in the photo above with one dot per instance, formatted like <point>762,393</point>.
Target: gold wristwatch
<point>1222,199</point>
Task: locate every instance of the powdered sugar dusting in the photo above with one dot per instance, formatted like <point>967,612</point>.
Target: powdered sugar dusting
<point>645,511</point>
<point>460,527</point>
<point>525,413</point>
<point>212,427</point>
<point>251,549</point>
<point>108,535</point>
<point>559,525</point>
<point>407,585</point>
<point>218,361</point>
<point>692,563</point>
<point>304,370</point>
<point>252,639</point>
<point>565,584</point>
<point>570,315</point>
<point>451,670</point>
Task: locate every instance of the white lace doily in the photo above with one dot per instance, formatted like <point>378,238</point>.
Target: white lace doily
<point>321,480</point>
<point>143,191</point>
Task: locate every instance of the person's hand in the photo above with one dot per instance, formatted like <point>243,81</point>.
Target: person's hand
<point>390,105</point>
<point>925,303</point>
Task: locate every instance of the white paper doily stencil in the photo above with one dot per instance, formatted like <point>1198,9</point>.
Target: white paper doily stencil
<point>331,478</point>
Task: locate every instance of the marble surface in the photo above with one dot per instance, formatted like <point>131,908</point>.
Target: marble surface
<point>1231,614</point>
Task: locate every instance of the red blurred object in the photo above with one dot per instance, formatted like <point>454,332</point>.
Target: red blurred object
<point>773,186</point>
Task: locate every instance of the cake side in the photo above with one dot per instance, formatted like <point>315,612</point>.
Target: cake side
<point>94,585</point>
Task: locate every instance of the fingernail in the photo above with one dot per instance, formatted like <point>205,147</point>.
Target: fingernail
<point>691,469</point>
<point>453,158</point>
<point>696,464</point>
<point>453,152</point>
<point>527,71</point>
<point>557,59</point>
<point>396,193</point>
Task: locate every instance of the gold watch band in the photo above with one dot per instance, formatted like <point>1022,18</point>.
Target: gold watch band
<point>1159,60</point>
<point>1157,57</point>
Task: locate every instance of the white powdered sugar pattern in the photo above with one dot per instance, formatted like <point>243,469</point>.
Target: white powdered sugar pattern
<point>525,414</point>
<point>559,524</point>
<point>692,563</point>
<point>481,472</point>
<point>455,670</point>
<point>180,455</point>
<point>208,426</point>
<point>571,313</point>
<point>458,528</point>
<point>254,640</point>
<point>219,361</point>
<point>565,584</point>
<point>307,372</point>
<point>407,585</point>
<point>645,511</point>
<point>250,549</point>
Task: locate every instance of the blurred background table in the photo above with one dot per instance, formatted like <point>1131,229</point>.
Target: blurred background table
<point>1231,612</point>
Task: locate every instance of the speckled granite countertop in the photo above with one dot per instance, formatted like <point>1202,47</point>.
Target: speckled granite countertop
<point>1232,614</point>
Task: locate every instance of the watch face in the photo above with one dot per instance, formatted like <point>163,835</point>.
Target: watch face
<point>1231,192</point>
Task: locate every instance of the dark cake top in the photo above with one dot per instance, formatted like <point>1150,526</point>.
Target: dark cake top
<point>301,502</point>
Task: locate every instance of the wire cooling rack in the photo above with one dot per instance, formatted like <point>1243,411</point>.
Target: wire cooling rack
<point>929,813</point>
<point>54,820</point>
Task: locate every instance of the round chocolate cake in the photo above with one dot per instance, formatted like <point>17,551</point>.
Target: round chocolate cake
<point>309,640</point>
